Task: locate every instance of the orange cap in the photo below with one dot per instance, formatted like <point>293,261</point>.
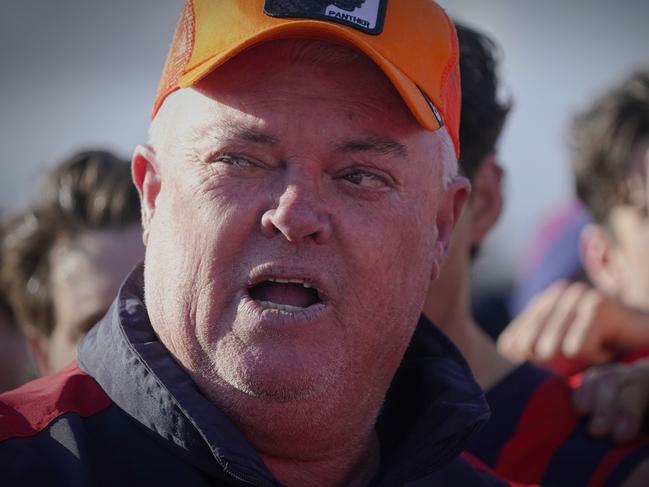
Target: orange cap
<point>412,41</point>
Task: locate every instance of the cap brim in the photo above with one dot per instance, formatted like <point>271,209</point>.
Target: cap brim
<point>410,93</point>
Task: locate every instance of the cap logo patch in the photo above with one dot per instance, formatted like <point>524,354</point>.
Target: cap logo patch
<point>364,15</point>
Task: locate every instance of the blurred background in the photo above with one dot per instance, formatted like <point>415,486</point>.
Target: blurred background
<point>80,73</point>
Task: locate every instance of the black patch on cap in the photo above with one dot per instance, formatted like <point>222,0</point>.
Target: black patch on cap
<point>364,15</point>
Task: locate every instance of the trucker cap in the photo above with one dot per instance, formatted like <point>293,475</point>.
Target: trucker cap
<point>412,41</point>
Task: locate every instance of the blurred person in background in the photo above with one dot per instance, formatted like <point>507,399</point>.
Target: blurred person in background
<point>64,259</point>
<point>15,363</point>
<point>535,435</point>
<point>16,366</point>
<point>572,324</point>
<point>551,254</point>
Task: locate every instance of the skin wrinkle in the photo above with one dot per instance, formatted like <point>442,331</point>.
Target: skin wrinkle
<point>320,60</point>
<point>368,104</point>
<point>232,130</point>
<point>379,145</point>
<point>158,134</point>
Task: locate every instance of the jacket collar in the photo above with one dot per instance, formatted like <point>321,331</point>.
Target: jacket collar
<point>432,408</point>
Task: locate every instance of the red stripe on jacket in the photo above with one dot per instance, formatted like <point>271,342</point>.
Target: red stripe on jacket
<point>28,410</point>
<point>547,422</point>
<point>612,460</point>
<point>478,465</point>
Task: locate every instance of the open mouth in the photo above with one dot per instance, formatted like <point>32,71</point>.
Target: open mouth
<point>289,295</point>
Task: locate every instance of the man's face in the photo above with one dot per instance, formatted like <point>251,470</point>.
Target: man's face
<point>294,232</point>
<point>86,274</point>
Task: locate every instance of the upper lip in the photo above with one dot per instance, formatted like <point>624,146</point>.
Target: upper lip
<point>276,273</point>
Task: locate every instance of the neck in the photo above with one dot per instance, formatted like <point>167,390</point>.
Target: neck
<point>313,441</point>
<point>349,467</point>
<point>478,349</point>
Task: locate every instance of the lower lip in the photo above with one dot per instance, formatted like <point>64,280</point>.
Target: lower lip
<point>275,317</point>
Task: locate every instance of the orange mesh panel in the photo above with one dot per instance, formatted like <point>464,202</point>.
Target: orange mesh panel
<point>451,91</point>
<point>179,54</point>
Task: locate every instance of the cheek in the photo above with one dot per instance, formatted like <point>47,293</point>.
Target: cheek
<point>637,264</point>
<point>405,230</point>
<point>392,253</point>
<point>198,235</point>
<point>195,217</point>
<point>414,234</point>
<point>634,242</point>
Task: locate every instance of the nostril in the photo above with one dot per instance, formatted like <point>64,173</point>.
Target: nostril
<point>299,220</point>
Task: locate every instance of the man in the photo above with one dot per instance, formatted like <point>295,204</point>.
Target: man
<point>65,258</point>
<point>298,193</point>
<point>610,155</point>
<point>534,435</point>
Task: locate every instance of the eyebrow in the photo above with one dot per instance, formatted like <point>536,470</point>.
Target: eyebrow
<point>380,145</point>
<point>249,134</point>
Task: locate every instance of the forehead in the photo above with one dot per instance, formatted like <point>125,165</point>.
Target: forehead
<point>292,73</point>
<point>96,253</point>
<point>296,61</point>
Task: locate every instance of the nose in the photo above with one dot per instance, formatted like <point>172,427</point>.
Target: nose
<point>300,216</point>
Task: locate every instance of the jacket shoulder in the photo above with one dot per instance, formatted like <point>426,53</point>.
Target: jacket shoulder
<point>28,410</point>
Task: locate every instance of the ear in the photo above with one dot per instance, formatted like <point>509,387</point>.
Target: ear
<point>448,213</point>
<point>39,349</point>
<point>146,176</point>
<point>598,258</point>
<point>486,198</point>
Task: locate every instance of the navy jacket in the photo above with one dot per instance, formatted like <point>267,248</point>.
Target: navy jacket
<point>127,414</point>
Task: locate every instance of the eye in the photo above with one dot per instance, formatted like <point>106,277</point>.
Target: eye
<point>366,179</point>
<point>235,161</point>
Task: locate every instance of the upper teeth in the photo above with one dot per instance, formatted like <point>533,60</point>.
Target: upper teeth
<point>280,307</point>
<point>292,281</point>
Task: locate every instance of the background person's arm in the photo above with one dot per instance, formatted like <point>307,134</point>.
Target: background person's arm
<point>571,326</point>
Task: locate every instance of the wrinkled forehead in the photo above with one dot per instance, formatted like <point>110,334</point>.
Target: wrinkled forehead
<point>284,80</point>
<point>297,67</point>
<point>283,74</point>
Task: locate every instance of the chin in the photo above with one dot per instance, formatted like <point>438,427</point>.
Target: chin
<point>281,375</point>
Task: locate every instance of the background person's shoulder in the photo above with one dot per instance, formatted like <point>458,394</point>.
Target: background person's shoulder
<point>31,408</point>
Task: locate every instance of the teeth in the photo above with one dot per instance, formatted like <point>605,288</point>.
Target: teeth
<point>291,281</point>
<point>280,307</point>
